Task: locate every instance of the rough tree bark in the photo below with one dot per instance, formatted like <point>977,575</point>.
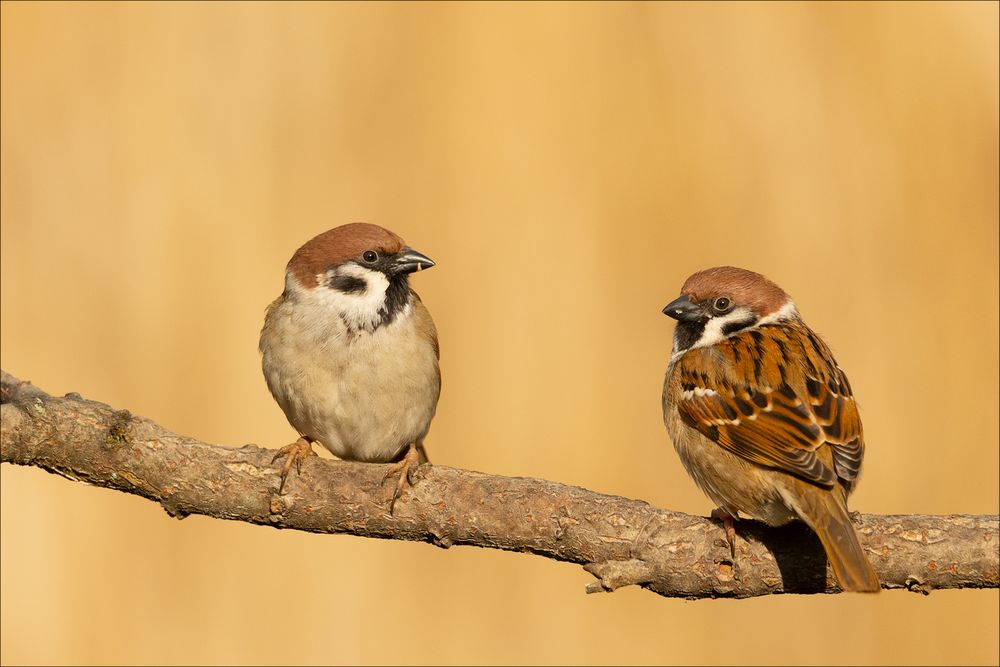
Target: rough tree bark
<point>618,540</point>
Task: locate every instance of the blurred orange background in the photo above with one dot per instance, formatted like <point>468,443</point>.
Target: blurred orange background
<point>567,166</point>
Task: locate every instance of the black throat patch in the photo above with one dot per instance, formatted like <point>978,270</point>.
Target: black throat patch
<point>397,294</point>
<point>397,297</point>
<point>687,334</point>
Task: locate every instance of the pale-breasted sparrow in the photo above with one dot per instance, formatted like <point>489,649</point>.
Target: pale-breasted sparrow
<point>350,353</point>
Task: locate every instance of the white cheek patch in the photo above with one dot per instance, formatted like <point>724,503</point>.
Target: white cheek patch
<point>786,312</point>
<point>713,332</point>
<point>359,309</point>
<point>713,328</point>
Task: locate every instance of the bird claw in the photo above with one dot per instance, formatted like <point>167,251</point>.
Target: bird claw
<point>726,518</point>
<point>404,468</point>
<point>294,454</point>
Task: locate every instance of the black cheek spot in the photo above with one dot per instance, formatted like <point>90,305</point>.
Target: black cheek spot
<point>738,325</point>
<point>348,284</point>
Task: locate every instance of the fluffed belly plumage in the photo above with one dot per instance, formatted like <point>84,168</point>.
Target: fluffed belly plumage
<point>359,419</point>
<point>364,397</point>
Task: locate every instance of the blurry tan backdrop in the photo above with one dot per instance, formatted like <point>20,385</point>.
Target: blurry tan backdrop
<point>567,166</point>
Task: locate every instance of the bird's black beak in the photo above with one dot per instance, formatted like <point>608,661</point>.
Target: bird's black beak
<point>682,310</point>
<point>409,260</point>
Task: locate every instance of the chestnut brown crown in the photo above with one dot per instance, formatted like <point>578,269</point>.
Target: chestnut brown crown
<point>338,245</point>
<point>742,287</point>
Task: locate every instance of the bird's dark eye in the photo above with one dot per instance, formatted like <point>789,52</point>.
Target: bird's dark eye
<point>722,304</point>
<point>369,256</point>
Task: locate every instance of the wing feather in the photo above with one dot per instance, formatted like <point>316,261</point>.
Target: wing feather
<point>775,396</point>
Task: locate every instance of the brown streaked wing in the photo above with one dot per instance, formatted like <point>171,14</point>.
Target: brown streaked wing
<point>832,402</point>
<point>753,410</point>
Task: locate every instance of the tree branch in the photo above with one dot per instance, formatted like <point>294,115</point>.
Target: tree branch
<point>620,541</point>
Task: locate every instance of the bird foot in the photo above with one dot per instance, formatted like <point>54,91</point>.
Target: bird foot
<point>404,468</point>
<point>727,519</point>
<point>294,454</point>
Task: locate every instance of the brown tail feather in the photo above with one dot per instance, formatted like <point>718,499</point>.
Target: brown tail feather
<point>826,513</point>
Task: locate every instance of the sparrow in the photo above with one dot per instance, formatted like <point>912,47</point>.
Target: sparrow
<point>350,353</point>
<point>761,415</point>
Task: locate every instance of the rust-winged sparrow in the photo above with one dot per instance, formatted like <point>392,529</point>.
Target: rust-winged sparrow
<point>762,416</point>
